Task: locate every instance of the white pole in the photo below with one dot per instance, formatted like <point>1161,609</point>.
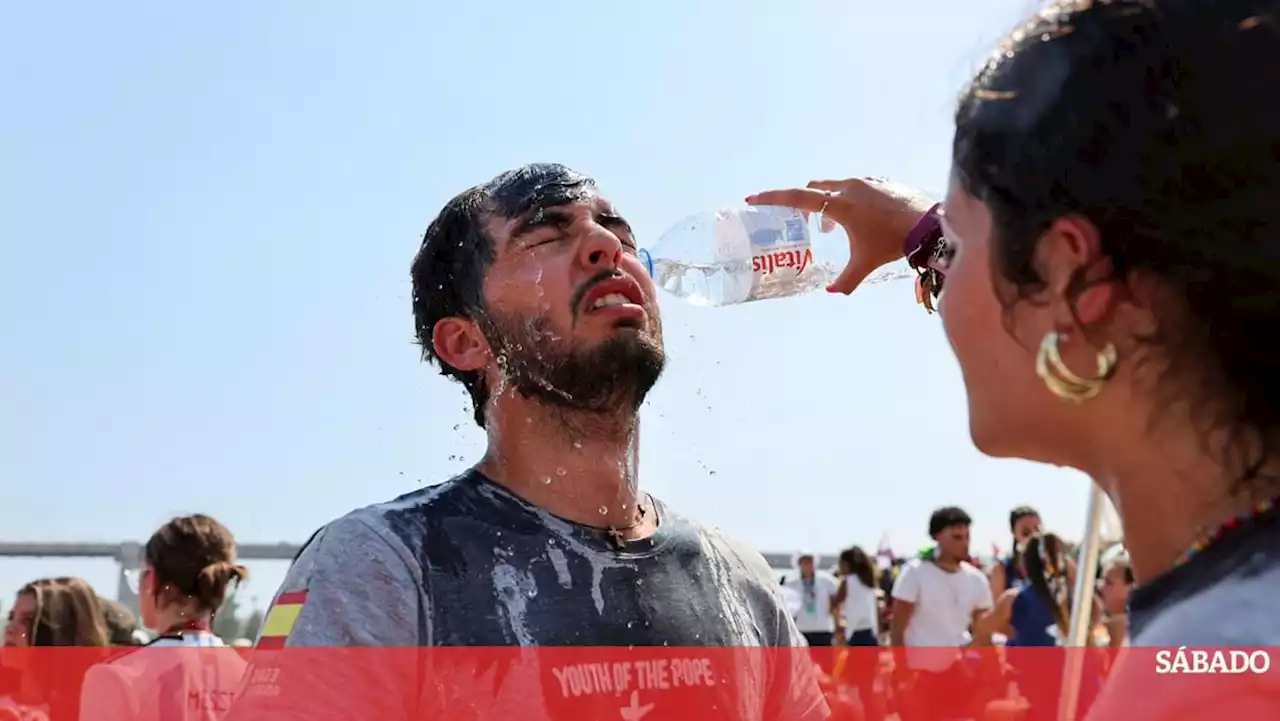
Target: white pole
<point>1079,636</point>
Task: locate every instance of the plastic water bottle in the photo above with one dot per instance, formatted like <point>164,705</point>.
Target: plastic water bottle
<point>737,255</point>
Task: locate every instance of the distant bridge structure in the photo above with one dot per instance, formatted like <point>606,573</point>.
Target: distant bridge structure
<point>128,556</point>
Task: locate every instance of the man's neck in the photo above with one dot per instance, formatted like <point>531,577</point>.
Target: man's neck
<point>946,563</point>
<point>576,466</point>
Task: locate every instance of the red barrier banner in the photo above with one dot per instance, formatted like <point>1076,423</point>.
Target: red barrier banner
<point>633,684</point>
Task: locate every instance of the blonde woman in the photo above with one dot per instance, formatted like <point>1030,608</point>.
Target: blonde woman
<point>60,620</point>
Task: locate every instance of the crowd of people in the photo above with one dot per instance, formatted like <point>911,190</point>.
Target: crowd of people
<point>901,613</point>
<point>1115,168</point>
<point>931,606</point>
<point>189,566</point>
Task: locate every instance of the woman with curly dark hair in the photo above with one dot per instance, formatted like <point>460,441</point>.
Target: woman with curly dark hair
<point>1107,267</point>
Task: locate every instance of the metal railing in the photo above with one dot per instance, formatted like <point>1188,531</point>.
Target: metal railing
<point>129,557</point>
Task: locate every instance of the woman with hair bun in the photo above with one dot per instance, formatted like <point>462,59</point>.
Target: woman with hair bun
<point>188,567</point>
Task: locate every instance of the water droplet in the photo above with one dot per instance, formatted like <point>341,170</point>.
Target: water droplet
<point>457,426</point>
<point>546,481</point>
<point>577,444</point>
<point>603,510</point>
<point>630,624</point>
<point>561,471</point>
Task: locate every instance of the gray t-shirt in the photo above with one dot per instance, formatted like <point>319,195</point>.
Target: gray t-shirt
<point>1224,597</point>
<point>468,564</point>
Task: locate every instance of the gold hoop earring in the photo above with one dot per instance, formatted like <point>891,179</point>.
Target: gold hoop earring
<point>1061,381</point>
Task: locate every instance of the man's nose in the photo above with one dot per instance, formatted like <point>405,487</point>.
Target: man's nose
<point>600,248</point>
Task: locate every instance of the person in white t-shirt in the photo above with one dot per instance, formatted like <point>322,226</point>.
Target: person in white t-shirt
<point>936,601</point>
<point>817,618</point>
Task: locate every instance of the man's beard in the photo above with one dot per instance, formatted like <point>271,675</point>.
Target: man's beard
<point>611,377</point>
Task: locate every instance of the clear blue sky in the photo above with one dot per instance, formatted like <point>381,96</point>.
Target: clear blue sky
<point>207,214</point>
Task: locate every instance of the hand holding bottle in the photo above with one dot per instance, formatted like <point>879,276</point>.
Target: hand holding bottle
<point>876,215</point>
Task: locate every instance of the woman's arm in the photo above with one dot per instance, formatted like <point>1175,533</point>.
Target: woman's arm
<point>837,606</point>
<point>999,584</point>
<point>999,618</point>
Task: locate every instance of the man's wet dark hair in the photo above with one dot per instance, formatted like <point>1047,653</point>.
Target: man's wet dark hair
<point>947,517</point>
<point>449,269</point>
<point>1158,121</point>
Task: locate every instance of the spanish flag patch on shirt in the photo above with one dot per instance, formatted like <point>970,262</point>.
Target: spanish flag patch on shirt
<point>280,619</point>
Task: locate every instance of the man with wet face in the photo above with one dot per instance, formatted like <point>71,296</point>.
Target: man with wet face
<point>584,344</point>
<point>528,291</point>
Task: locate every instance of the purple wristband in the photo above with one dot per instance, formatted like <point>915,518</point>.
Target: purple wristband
<point>923,236</point>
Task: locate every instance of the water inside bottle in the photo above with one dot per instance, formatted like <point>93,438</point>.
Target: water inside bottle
<point>703,284</point>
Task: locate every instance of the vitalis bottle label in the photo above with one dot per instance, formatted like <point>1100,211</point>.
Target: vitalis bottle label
<point>781,254</point>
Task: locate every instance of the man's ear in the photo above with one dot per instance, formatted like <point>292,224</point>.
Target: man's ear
<point>459,343</point>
